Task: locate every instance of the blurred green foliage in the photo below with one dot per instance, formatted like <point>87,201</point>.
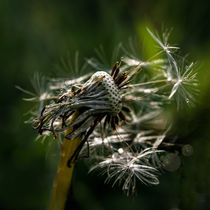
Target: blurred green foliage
<point>34,35</point>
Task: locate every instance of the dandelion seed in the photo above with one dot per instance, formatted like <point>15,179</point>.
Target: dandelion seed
<point>125,168</point>
<point>182,77</point>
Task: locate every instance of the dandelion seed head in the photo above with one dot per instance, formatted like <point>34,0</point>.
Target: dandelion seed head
<point>111,89</point>
<point>124,140</point>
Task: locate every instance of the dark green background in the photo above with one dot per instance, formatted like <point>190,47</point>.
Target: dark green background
<point>34,35</point>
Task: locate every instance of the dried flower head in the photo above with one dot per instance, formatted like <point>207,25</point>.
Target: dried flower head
<point>97,99</point>
<point>120,112</point>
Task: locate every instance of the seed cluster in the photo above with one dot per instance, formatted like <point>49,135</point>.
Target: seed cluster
<point>98,100</point>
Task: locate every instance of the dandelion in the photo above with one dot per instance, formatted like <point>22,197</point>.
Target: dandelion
<point>116,116</point>
<point>99,98</point>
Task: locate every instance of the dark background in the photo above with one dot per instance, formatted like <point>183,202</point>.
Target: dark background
<point>34,35</point>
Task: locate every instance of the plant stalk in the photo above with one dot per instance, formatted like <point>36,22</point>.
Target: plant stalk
<point>63,177</point>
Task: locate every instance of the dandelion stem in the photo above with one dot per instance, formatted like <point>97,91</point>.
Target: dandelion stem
<point>63,177</point>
